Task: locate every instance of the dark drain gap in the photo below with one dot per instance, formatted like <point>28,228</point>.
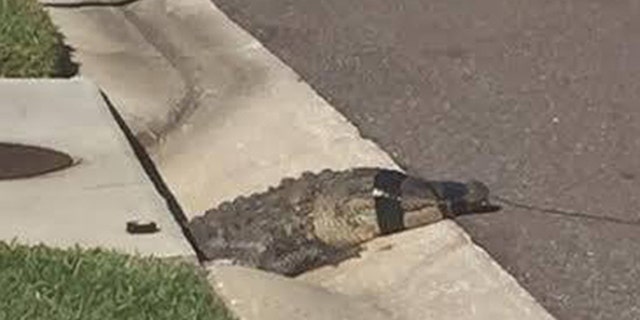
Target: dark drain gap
<point>157,180</point>
<point>18,161</point>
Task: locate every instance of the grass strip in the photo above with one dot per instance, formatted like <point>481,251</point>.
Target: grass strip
<point>39,282</point>
<point>30,44</point>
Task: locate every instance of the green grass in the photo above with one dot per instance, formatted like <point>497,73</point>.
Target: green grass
<point>30,45</point>
<point>44,283</point>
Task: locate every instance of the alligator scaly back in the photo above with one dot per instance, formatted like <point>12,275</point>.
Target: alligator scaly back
<point>315,220</point>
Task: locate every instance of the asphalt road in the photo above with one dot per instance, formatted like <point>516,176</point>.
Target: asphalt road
<point>539,99</point>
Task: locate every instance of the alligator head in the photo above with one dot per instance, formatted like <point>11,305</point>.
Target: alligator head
<point>396,202</point>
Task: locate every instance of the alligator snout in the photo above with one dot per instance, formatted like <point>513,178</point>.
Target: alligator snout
<point>453,198</point>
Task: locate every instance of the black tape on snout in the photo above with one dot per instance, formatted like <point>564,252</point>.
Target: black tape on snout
<point>389,181</point>
<point>389,211</point>
<point>390,215</point>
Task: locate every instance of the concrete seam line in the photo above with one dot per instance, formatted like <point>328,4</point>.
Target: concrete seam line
<point>81,4</point>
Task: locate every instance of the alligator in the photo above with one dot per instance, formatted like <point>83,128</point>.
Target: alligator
<point>324,218</point>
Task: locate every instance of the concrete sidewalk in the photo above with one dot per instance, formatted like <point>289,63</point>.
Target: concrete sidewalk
<point>222,117</point>
<point>88,203</point>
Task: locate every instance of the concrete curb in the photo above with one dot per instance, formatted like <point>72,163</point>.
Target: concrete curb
<point>253,294</point>
<point>440,269</point>
<point>435,272</point>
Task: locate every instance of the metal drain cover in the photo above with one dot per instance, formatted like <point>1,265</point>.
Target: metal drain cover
<point>23,161</point>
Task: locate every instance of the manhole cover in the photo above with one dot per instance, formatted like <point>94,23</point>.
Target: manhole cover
<point>22,161</point>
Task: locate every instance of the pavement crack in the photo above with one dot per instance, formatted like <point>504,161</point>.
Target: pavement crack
<point>565,213</point>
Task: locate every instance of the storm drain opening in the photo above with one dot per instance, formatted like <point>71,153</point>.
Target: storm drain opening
<point>18,161</point>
